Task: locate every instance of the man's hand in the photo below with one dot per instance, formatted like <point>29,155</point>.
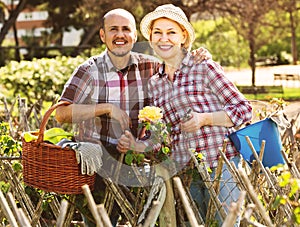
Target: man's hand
<point>128,142</point>
<point>201,54</point>
<point>125,142</point>
<point>121,116</point>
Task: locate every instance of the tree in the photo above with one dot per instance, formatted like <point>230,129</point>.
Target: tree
<point>91,11</point>
<point>250,20</point>
<point>14,13</point>
<point>248,17</point>
<point>62,15</point>
<point>292,7</point>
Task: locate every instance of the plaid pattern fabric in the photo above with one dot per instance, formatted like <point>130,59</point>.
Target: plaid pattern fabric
<point>203,88</point>
<point>98,81</point>
<point>123,92</point>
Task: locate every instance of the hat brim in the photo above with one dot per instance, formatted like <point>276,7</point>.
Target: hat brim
<point>145,25</point>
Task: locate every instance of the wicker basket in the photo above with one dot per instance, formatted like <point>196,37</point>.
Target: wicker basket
<point>51,168</point>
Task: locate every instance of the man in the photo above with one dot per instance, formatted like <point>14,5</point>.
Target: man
<point>107,91</point>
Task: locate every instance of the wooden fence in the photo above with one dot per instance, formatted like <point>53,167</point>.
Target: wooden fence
<point>259,187</point>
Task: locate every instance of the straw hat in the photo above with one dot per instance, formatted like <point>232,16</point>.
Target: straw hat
<point>172,12</point>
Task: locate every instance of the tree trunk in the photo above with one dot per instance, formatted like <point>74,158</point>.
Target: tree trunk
<point>293,38</point>
<point>11,20</point>
<point>17,50</point>
<point>252,61</point>
<point>86,38</point>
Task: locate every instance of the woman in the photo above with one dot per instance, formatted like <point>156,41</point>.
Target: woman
<point>215,103</point>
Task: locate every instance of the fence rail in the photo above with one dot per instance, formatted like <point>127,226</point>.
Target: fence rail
<point>284,76</point>
<point>252,181</point>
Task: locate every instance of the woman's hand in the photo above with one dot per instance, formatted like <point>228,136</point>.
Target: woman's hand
<point>195,122</point>
<point>198,120</point>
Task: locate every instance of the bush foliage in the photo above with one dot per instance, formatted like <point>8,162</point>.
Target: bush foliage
<point>39,79</point>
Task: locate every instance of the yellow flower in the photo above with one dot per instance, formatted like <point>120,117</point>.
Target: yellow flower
<point>200,156</point>
<point>150,113</point>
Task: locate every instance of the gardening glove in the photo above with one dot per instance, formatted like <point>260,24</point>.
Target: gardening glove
<point>90,157</point>
<point>280,119</point>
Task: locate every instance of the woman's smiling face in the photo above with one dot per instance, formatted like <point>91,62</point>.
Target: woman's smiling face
<point>167,37</point>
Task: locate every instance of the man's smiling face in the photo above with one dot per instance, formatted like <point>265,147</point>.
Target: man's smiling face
<point>119,34</point>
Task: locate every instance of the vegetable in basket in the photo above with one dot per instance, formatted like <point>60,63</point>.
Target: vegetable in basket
<point>53,135</point>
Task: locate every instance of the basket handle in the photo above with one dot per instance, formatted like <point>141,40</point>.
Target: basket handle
<point>46,118</point>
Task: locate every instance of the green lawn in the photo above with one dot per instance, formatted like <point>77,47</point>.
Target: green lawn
<point>289,94</point>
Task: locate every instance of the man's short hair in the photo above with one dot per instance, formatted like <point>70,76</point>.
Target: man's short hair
<point>120,12</point>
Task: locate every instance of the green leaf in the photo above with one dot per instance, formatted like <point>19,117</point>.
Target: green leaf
<point>17,166</point>
<point>296,215</point>
<point>140,158</point>
<point>165,150</point>
<point>294,187</point>
<point>129,158</point>
<point>4,187</point>
<point>278,201</point>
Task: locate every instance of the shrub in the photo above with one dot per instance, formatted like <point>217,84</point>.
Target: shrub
<point>39,79</point>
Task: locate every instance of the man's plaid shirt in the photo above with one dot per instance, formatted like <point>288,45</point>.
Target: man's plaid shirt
<point>98,81</point>
<point>203,88</point>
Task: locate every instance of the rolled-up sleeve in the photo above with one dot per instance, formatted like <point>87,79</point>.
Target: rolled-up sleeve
<point>239,113</point>
<point>78,88</point>
<point>237,107</point>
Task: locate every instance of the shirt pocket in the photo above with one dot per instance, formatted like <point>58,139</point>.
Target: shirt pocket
<point>192,92</point>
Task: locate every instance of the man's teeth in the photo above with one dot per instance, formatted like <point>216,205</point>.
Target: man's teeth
<point>120,43</point>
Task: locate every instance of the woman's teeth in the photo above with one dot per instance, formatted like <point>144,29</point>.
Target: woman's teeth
<point>165,47</point>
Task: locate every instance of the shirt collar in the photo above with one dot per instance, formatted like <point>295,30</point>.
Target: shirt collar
<point>132,61</point>
<point>188,61</point>
<point>161,71</point>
